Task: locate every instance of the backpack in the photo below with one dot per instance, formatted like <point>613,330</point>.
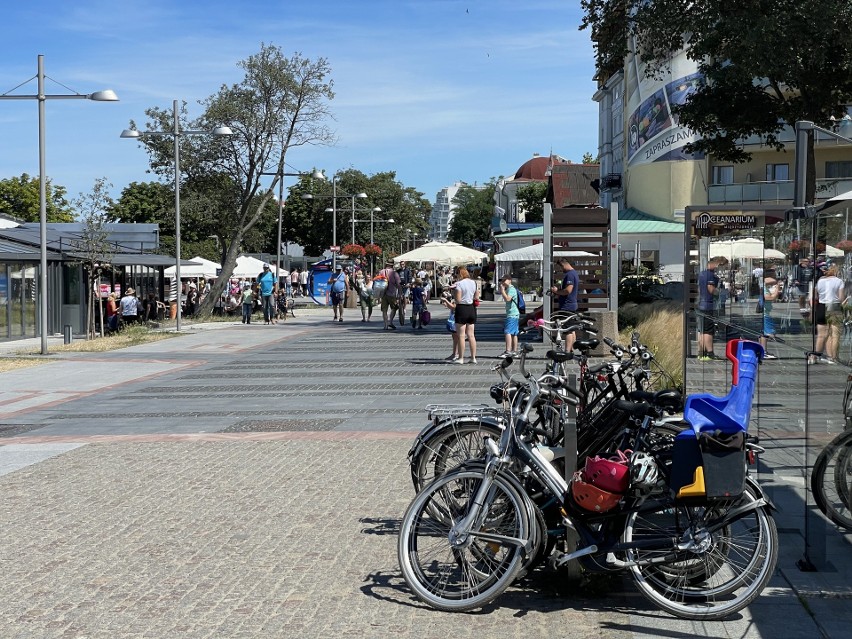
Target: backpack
<point>520,303</point>
<point>380,284</point>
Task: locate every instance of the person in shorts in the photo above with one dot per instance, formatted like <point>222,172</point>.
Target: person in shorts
<point>466,295</point>
<point>771,292</point>
<point>708,290</point>
<point>390,298</point>
<point>513,315</point>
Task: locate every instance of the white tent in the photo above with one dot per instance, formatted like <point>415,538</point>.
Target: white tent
<point>831,251</point>
<point>444,253</point>
<point>534,253</point>
<point>838,201</point>
<point>747,248</point>
<point>200,268</point>
<point>249,267</point>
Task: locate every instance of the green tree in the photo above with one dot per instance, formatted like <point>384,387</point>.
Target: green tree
<point>588,158</point>
<point>531,200</point>
<point>766,63</point>
<point>280,103</point>
<point>474,210</point>
<point>19,197</point>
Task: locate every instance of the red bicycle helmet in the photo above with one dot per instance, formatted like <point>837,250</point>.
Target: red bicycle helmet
<point>591,497</point>
<point>611,475</point>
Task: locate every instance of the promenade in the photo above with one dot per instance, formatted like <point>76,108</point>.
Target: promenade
<point>248,481</point>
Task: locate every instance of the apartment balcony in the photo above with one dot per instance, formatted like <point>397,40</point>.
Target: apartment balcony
<point>772,192</point>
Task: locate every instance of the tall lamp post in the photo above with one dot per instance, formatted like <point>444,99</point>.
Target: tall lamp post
<point>176,134</point>
<point>376,209</point>
<point>281,175</point>
<point>334,196</point>
<point>98,96</point>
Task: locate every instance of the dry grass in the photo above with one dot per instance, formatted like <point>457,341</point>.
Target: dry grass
<point>17,363</point>
<point>660,328</point>
<point>130,336</point>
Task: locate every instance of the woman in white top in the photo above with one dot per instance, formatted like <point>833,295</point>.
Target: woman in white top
<point>828,315</point>
<point>466,294</point>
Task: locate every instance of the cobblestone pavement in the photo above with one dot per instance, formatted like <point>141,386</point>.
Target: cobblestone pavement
<point>248,482</point>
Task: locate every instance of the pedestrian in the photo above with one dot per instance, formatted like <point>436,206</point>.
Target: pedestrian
<point>513,316</point>
<point>266,283</point>
<point>828,315</point>
<point>191,299</point>
<point>448,300</point>
<point>248,302</point>
<point>771,292</point>
<point>708,291</point>
<point>466,301</point>
<point>417,303</point>
<point>284,279</point>
<point>303,282</point>
<point>403,291</point>
<point>390,294</point>
<point>128,307</point>
<point>152,309</point>
<point>364,287</point>
<point>803,277</point>
<point>351,300</point>
<point>339,288</point>
<point>567,294</point>
<point>112,313</point>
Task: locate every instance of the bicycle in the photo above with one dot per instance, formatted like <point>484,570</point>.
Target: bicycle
<point>831,477</point>
<point>468,534</point>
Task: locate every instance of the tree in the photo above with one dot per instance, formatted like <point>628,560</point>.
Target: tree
<point>766,63</point>
<point>93,247</point>
<point>588,158</point>
<point>531,200</point>
<point>19,197</point>
<point>280,103</point>
<point>472,218</point>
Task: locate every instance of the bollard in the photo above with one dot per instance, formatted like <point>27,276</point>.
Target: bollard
<point>68,337</point>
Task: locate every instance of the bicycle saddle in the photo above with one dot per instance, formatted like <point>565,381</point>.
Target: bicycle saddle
<point>585,345</point>
<point>560,357</point>
<point>669,398</point>
<point>634,409</point>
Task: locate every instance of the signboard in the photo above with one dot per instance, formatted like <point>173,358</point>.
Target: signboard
<point>104,290</point>
<point>334,249</point>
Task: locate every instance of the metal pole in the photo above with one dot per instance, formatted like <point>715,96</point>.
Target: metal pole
<point>800,179</point>
<point>42,209</point>
<point>353,219</point>
<point>371,227</point>
<point>334,222</point>
<point>177,213</point>
<point>280,216</point>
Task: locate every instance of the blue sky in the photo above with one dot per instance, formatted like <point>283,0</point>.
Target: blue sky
<point>437,90</point>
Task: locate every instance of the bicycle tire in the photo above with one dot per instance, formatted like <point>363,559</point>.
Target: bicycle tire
<point>461,578</point>
<point>834,497</point>
<point>720,576</point>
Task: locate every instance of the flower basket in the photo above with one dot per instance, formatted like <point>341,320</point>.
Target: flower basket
<point>844,245</point>
<point>373,250</point>
<point>353,250</point>
<point>799,245</point>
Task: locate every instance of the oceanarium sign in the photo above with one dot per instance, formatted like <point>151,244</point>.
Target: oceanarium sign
<point>706,221</point>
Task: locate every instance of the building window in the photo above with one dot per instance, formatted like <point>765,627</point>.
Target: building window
<point>841,169</point>
<point>723,174</point>
<point>777,172</point>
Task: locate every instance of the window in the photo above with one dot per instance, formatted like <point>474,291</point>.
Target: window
<point>841,169</point>
<point>777,172</point>
<point>723,174</point>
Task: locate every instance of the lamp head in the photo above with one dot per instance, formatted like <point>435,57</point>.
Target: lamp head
<point>131,133</point>
<point>390,220</point>
<point>108,95</point>
<point>222,131</point>
<point>318,175</point>
<point>307,196</point>
<point>361,196</point>
<point>377,209</point>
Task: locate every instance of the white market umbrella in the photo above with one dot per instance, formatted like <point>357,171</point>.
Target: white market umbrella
<point>844,199</point>
<point>831,251</point>
<point>534,253</point>
<point>748,248</point>
<point>249,267</point>
<point>444,253</point>
<point>199,268</point>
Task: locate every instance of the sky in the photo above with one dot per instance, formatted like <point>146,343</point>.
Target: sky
<point>436,90</point>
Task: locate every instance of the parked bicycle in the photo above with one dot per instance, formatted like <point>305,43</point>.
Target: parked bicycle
<point>831,477</point>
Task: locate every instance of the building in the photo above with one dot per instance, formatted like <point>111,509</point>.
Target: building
<point>442,211</point>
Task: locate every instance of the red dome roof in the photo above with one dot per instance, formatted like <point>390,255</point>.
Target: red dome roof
<point>534,169</point>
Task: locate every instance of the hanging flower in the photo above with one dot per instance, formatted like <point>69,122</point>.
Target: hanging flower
<point>373,249</point>
<point>353,250</point>
<point>845,246</point>
<point>799,245</point>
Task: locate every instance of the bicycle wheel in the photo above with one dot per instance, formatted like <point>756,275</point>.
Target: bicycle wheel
<point>448,447</point>
<point>479,566</point>
<point>716,566</point>
<point>831,480</point>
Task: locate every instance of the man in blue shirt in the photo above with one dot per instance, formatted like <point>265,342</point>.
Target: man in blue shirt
<point>708,291</point>
<point>567,294</point>
<point>266,282</point>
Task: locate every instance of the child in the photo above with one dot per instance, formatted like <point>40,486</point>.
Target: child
<point>418,296</point>
<point>513,314</point>
<point>448,301</point>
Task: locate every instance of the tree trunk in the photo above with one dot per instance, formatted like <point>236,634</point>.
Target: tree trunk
<point>218,287</point>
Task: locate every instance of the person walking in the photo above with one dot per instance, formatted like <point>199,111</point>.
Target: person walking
<point>448,300</point>
<point>771,292</point>
<point>803,276</point>
<point>828,314</point>
<point>248,302</point>
<point>303,282</point>
<point>418,299</point>
<point>390,295</point>
<point>339,288</point>
<point>466,299</point>
<point>567,294</point>
<point>191,299</point>
<point>364,288</point>
<point>266,284</point>
<point>513,315</point>
<point>708,290</point>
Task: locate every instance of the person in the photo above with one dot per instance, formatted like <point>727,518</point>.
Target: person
<point>803,275</point>
<point>351,301</point>
<point>448,300</point>
<point>112,313</point>
<point>284,279</point>
<point>191,299</point>
<point>266,283</point>
<point>828,316</point>
<point>567,294</point>
<point>466,297</point>
<point>417,301</point>
<point>303,282</point>
<point>403,291</point>
<point>128,307</point>
<point>771,293</point>
<point>708,290</point>
<point>152,309</point>
<point>513,316</point>
<point>248,302</point>
<point>390,297</point>
<point>339,288</point>
<point>234,302</point>
<point>427,289</point>
<point>364,287</point>
<point>174,299</point>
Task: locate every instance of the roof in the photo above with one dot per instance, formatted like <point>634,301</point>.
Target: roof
<point>630,220</point>
<point>19,252</point>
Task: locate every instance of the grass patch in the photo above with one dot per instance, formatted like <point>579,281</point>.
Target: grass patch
<point>660,328</point>
<point>130,336</point>
<point>17,363</point>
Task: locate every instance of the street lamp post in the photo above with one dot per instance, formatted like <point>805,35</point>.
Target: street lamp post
<point>376,209</point>
<point>176,134</point>
<point>98,96</point>
<point>334,196</point>
<point>281,175</point>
